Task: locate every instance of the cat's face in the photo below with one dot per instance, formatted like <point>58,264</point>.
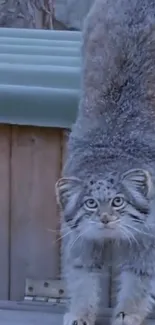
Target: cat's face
<point>113,207</point>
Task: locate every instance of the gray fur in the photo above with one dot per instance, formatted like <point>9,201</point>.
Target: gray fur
<point>111,152</point>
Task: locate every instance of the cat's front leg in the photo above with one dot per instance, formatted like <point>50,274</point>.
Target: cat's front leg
<point>134,300</point>
<point>125,319</point>
<point>83,286</point>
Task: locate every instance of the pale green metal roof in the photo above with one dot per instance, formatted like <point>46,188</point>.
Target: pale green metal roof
<point>40,34</point>
<point>39,77</point>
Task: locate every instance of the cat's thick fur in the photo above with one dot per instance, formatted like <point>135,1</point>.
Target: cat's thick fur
<point>107,193</point>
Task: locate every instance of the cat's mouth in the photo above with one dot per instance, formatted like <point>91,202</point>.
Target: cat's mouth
<point>100,231</point>
<point>109,225</point>
<point>109,230</point>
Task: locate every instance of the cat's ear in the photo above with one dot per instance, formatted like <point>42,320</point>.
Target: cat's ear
<point>140,180</point>
<point>66,189</point>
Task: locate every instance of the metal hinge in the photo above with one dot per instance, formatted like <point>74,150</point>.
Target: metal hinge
<point>51,291</point>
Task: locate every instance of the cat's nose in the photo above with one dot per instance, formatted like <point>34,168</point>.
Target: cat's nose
<point>105,218</point>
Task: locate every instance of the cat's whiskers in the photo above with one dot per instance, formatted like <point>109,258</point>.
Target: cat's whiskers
<point>150,228</point>
<point>65,235</point>
<point>131,236</point>
<point>139,231</point>
<point>56,231</point>
<point>94,222</point>
<point>52,230</point>
<point>79,236</point>
<point>142,222</point>
<point>126,234</point>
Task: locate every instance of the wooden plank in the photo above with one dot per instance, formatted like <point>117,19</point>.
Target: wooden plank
<point>5,133</point>
<point>65,135</point>
<point>11,312</point>
<point>50,308</point>
<point>9,317</point>
<point>29,318</point>
<point>35,167</point>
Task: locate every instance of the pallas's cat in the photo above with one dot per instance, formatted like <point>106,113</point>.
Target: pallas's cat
<point>107,190</point>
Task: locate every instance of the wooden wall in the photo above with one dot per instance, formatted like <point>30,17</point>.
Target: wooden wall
<point>30,164</point>
<point>31,160</point>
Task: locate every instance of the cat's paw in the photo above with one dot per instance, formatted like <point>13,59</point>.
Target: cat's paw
<point>70,319</point>
<point>124,319</point>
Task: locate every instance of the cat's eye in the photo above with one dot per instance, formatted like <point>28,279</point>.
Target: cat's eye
<point>118,202</point>
<point>91,204</point>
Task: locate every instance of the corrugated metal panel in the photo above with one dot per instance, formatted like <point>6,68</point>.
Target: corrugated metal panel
<point>40,42</point>
<point>40,34</point>
<point>45,76</point>
<point>66,61</point>
<point>36,49</point>
<point>38,106</point>
<point>39,77</point>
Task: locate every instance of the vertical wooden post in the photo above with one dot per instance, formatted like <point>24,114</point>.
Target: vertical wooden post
<point>35,167</point>
<point>5,133</point>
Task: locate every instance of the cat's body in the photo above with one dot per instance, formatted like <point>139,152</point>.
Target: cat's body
<point>116,116</point>
<point>107,193</point>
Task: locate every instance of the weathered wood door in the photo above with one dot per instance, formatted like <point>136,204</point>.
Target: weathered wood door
<point>30,164</point>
